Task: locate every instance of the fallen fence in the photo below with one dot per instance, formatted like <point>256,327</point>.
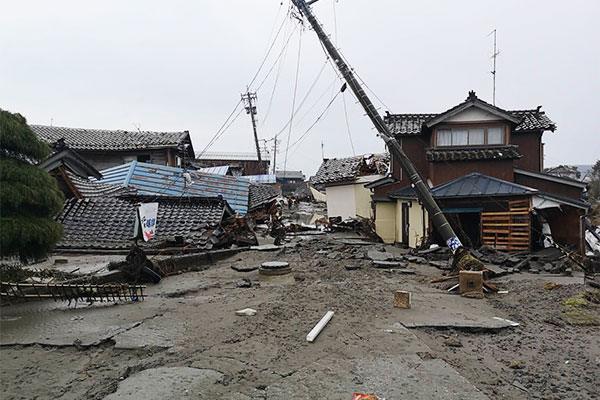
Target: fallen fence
<point>67,292</point>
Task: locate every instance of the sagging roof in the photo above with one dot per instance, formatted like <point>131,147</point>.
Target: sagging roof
<point>64,156</point>
<point>349,168</point>
<point>111,140</point>
<point>260,195</point>
<point>525,120</point>
<point>471,185</point>
<point>109,222</point>
<point>551,177</point>
<point>89,189</point>
<point>509,152</point>
<point>152,179</point>
<point>231,156</point>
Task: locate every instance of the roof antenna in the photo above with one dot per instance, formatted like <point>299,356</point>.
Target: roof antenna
<point>494,56</point>
<point>51,121</point>
<point>137,126</point>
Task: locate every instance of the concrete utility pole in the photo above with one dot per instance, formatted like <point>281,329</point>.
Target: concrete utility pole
<point>275,154</point>
<point>494,56</point>
<point>248,98</point>
<point>462,258</point>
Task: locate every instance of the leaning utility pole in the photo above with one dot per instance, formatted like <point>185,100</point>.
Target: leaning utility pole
<point>462,258</point>
<point>248,98</point>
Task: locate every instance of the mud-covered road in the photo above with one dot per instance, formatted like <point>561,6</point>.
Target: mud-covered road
<point>185,340</point>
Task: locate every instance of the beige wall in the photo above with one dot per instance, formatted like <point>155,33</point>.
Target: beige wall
<point>385,222</point>
<point>341,201</point>
<point>362,200</point>
<point>388,222</point>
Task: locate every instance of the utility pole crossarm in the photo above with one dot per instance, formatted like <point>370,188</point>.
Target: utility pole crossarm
<point>462,259</point>
<point>250,99</point>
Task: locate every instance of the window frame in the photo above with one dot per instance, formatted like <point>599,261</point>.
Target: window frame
<point>468,127</point>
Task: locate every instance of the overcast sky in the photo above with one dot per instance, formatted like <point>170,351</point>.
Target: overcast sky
<point>181,65</point>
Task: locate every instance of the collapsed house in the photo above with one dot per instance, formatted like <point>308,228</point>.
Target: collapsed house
<point>108,148</point>
<point>484,165</point>
<point>344,180</point>
<point>110,222</point>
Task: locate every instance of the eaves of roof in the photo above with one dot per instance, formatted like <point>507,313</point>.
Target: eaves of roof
<point>550,177</point>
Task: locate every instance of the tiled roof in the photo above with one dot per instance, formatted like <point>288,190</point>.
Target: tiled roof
<point>89,189</point>
<point>289,175</point>
<point>115,140</point>
<point>260,195</point>
<point>231,156</point>
<point>153,179</point>
<point>469,154</point>
<point>349,168</point>
<point>412,124</point>
<point>471,185</point>
<point>64,156</point>
<point>109,222</point>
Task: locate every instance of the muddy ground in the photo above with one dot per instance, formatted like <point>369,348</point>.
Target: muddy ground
<point>187,342</point>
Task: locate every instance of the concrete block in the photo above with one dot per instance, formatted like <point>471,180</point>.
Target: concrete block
<point>402,299</point>
<point>470,281</point>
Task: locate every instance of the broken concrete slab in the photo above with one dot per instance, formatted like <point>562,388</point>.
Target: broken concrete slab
<point>389,264</point>
<point>485,323</point>
<point>495,271</point>
<point>244,268</point>
<point>266,247</point>
<point>376,255</point>
<point>167,383</point>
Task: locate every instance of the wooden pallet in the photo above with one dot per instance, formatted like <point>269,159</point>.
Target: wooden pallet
<point>508,230</point>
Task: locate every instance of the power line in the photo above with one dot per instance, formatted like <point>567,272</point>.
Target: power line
<point>293,101</point>
<point>348,124</point>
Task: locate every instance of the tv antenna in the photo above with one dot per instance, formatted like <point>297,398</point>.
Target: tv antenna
<point>494,56</point>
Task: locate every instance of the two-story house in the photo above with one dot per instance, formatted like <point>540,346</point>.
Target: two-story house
<point>484,166</point>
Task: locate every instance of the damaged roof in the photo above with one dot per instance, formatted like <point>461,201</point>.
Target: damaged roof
<point>349,168</point>
<point>64,156</point>
<point>109,222</point>
<point>260,195</point>
<point>89,189</point>
<point>153,179</point>
<point>112,140</point>
<point>509,152</point>
<point>525,120</point>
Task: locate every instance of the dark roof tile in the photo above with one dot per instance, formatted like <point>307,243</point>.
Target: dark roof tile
<point>469,154</point>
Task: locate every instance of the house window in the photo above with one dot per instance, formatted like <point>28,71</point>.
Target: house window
<point>143,158</point>
<point>470,136</point>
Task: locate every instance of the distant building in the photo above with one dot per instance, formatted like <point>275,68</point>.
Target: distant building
<point>239,163</point>
<point>290,176</point>
<point>108,148</point>
<point>564,171</point>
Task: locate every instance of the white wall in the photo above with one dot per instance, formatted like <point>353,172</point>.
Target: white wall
<point>341,201</point>
<point>473,114</point>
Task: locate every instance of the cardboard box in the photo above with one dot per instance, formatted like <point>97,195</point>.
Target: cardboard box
<point>470,281</point>
<point>402,299</point>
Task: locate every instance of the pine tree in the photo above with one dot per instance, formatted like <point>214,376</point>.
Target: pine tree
<point>29,197</point>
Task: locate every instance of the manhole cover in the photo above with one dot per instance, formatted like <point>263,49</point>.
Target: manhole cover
<point>275,268</point>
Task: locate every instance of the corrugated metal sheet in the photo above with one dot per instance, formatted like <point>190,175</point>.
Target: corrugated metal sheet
<point>155,179</point>
<point>230,156</point>
<point>220,170</point>
<point>270,178</point>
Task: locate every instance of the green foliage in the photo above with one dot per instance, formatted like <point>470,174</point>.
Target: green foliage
<point>27,190</point>
<point>29,196</point>
<point>18,138</point>
<point>594,187</point>
<point>29,237</point>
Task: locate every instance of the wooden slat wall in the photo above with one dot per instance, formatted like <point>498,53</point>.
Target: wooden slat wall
<point>508,230</point>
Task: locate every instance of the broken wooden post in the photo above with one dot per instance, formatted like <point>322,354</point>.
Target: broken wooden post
<point>470,283</point>
<point>319,327</point>
<point>402,299</point>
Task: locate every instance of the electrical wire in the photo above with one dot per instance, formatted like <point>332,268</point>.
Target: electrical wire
<point>293,101</point>
<point>348,124</point>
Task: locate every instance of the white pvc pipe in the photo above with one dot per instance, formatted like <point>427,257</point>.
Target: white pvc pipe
<point>319,327</point>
